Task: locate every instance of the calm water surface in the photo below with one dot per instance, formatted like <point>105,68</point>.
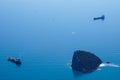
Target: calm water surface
<point>45,33</point>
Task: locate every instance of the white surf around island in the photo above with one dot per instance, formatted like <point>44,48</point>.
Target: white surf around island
<point>101,65</point>
<point>108,65</point>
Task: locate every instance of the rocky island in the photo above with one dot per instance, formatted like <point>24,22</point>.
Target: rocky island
<point>85,62</point>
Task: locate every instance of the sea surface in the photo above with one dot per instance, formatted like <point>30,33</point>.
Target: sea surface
<point>45,33</point>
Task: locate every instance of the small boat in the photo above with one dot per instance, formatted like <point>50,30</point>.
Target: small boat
<point>99,18</point>
<point>13,60</point>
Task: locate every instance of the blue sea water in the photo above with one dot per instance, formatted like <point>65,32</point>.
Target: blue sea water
<point>45,33</point>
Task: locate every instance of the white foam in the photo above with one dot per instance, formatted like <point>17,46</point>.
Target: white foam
<point>100,66</point>
<point>69,64</point>
<point>99,69</point>
<point>109,64</point>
